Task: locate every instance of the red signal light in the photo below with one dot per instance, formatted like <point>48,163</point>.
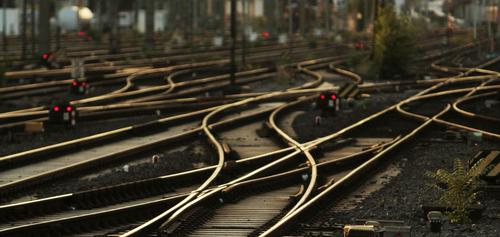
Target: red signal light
<point>69,108</point>
<point>322,97</point>
<point>45,56</point>
<point>334,97</point>
<point>81,33</point>
<point>56,108</point>
<point>265,34</point>
<point>74,83</point>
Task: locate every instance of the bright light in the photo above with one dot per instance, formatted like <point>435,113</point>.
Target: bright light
<point>322,97</point>
<point>56,108</point>
<point>334,97</point>
<point>69,108</point>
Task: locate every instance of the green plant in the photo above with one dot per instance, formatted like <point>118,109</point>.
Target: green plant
<point>459,190</point>
<point>394,44</point>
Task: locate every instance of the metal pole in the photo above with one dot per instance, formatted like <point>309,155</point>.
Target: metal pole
<point>195,17</point>
<point>290,24</point>
<point>374,35</point>
<point>44,27</point>
<point>244,38</point>
<point>498,22</point>
<point>233,42</point>
<point>474,20</point>
<point>32,18</point>
<point>490,33</point>
<point>328,8</point>
<point>4,26</point>
<point>150,24</point>
<point>23,32</point>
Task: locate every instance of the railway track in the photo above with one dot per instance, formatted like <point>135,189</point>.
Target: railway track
<point>335,188</point>
<point>124,92</point>
<point>223,195</point>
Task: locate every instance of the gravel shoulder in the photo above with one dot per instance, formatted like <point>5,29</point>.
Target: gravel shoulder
<point>397,191</point>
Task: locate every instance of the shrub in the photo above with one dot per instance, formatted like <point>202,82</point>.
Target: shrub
<point>394,44</point>
<point>459,190</point>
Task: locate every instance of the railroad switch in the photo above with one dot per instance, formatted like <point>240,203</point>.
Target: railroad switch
<point>265,130</point>
<point>229,152</point>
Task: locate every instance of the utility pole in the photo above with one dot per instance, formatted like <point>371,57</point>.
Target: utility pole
<point>195,18</point>
<point>136,15</point>
<point>32,28</point>
<point>302,8</point>
<point>328,17</point>
<point>474,19</point>
<point>290,25</point>
<point>374,35</point>
<point>150,24</point>
<point>44,27</point>
<point>232,87</point>
<point>4,26</point>
<point>112,11</point>
<point>23,31</point>
<point>245,35</point>
<point>490,30</point>
<point>498,23</point>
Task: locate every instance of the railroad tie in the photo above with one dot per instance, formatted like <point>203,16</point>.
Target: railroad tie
<point>484,164</point>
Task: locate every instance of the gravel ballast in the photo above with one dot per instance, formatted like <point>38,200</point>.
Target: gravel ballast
<point>402,185</point>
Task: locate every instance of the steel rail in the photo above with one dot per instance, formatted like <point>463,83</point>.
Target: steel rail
<point>456,107</point>
<point>279,227</point>
<point>468,91</point>
<point>33,227</point>
<point>191,200</point>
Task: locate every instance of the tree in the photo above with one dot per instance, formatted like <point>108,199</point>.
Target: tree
<point>459,190</point>
<point>394,44</point>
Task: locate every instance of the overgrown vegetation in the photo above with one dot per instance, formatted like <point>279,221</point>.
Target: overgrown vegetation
<point>459,190</point>
<point>394,44</point>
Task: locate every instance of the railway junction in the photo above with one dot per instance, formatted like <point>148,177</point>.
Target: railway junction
<point>249,118</point>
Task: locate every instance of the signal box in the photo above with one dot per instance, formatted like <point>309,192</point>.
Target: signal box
<point>79,87</point>
<point>63,114</point>
<point>328,103</point>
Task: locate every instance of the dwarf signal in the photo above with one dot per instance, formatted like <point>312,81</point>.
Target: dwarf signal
<point>328,103</point>
<point>63,114</point>
<point>79,87</point>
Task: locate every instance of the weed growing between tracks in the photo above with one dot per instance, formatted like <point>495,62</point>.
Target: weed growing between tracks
<point>460,191</point>
<point>400,197</point>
